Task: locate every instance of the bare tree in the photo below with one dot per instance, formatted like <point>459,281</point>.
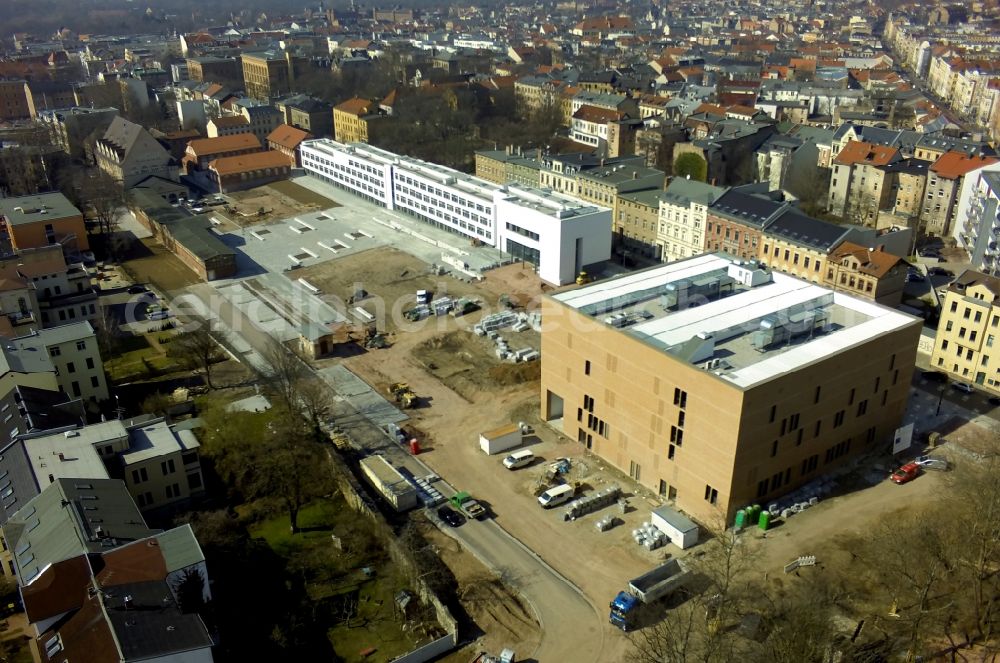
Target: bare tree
<point>196,349</point>
<point>285,373</point>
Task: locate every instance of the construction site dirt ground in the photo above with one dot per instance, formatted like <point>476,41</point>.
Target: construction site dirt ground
<point>501,616</point>
<point>450,368</point>
<point>279,200</point>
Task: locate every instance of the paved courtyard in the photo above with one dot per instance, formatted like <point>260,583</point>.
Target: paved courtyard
<point>310,238</point>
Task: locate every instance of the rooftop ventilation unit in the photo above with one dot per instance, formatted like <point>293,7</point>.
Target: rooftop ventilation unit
<point>777,329</point>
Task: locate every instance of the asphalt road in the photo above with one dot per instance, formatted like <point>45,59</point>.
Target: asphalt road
<point>572,629</point>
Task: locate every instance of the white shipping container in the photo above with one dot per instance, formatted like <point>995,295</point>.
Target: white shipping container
<point>501,439</point>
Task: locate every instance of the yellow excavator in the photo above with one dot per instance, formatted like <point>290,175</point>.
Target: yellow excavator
<point>403,395</point>
<point>583,278</point>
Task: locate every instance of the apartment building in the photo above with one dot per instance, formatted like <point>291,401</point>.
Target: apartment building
<point>130,154</point>
<point>683,217</point>
<point>268,74</point>
<point>356,120</point>
<point>29,222</point>
<point>636,222</point>
<point>604,185</point>
<point>61,291</point>
<point>14,104</point>
<point>977,227</point>
<point>859,186</point>
<point>719,384</point>
<point>227,125</point>
<point>735,223</point>
<point>308,114</point>
<point>73,353</point>
<point>209,68</point>
<point>71,128</point>
<point>589,126</point>
<point>867,272</point>
<point>944,182</point>
<point>510,165</point>
<point>557,234</point>
<point>799,245</point>
<point>968,331</point>
<point>263,120</point>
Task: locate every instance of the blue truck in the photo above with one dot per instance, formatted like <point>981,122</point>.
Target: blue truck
<point>628,607</point>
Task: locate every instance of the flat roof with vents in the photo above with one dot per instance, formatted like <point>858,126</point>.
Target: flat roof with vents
<point>722,326</point>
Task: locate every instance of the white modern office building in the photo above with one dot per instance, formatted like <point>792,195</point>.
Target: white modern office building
<point>559,234</point>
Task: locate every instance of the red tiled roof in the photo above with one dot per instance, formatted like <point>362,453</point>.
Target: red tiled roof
<point>874,263</point>
<point>207,146</point>
<point>857,152</point>
<point>356,106</point>
<point>952,165</point>
<point>247,162</point>
<point>288,136</point>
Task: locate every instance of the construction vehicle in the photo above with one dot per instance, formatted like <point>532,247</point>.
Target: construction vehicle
<point>583,278</point>
<point>375,339</point>
<point>403,395</point>
<point>628,607</point>
<point>471,508</point>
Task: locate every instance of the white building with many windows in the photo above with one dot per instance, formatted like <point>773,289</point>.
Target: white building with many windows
<point>558,234</point>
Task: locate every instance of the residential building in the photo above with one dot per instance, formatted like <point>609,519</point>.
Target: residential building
<point>60,291</point>
<point>304,112</point>
<point>268,74</point>
<point>744,385</point>
<point>96,587</point>
<point>510,165</point>
<point>735,223</point>
<point>286,140</point>
<point>858,185</point>
<point>201,151</point>
<point>799,245</point>
<point>589,126</point>
<point>73,353</point>
<point>213,69</point>
<point>867,272</point>
<point>48,96</point>
<point>968,330</point>
<point>356,120</point>
<point>558,234</point>
<point>129,154</point>
<point>636,222</point>
<point>977,227</point>
<point>944,182</point>
<point>246,171</point>
<point>603,186</point>
<point>263,120</point>
<point>683,217</point>
<point>76,128</point>
<point>29,222</point>
<point>14,103</point>
<point>227,125</point>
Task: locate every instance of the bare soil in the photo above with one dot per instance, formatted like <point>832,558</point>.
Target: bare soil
<point>279,200</point>
<point>158,266</point>
<point>499,613</point>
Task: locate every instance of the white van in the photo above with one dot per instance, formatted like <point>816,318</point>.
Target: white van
<point>521,458</point>
<point>555,496</point>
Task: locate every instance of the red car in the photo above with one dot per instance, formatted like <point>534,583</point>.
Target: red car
<point>906,473</point>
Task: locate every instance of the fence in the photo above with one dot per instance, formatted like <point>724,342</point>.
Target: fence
<point>358,499</point>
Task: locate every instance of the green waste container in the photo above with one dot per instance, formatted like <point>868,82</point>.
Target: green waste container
<point>765,520</point>
<point>741,519</point>
<point>754,514</point>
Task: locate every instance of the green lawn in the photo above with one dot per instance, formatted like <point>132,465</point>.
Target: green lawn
<point>128,364</point>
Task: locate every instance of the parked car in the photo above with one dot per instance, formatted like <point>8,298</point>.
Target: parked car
<point>451,517</point>
<point>905,474</point>
<point>940,271</point>
<point>935,376</point>
<point>136,289</point>
<point>964,387</point>
<point>929,463</point>
<point>993,400</point>
<point>914,277</point>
